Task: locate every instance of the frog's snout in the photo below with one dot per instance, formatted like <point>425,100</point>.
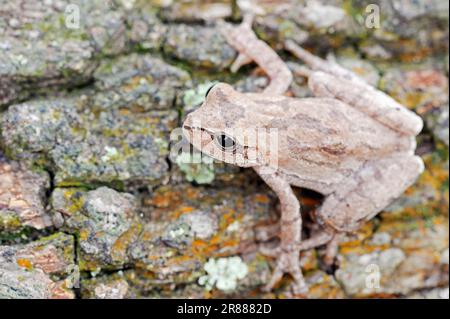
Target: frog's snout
<point>196,135</point>
<point>187,128</point>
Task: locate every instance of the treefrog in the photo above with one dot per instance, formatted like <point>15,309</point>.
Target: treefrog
<point>350,142</point>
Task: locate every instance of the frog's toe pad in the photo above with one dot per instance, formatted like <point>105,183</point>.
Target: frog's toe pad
<point>287,262</point>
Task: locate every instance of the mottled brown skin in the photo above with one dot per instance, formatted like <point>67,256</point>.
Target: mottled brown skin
<point>351,143</point>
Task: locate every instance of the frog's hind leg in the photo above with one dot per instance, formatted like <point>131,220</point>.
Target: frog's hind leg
<point>373,188</point>
<point>376,184</point>
<point>318,64</point>
<point>287,253</point>
<point>329,79</point>
<point>331,250</point>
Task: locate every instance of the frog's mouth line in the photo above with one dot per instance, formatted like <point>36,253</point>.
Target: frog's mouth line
<point>192,128</point>
<point>205,138</point>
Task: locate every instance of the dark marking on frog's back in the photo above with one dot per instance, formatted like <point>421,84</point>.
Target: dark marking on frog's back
<point>334,151</point>
<point>338,149</point>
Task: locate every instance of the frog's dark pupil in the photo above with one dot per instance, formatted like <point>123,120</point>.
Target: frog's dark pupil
<point>225,142</point>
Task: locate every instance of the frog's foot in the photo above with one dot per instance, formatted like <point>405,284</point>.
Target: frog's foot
<point>251,48</point>
<point>232,35</point>
<point>237,36</point>
<point>288,261</point>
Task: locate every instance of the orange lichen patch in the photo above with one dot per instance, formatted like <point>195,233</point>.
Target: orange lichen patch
<point>202,249</point>
<point>181,211</point>
<point>24,263</point>
<point>208,294</point>
<point>46,258</point>
<point>181,260</point>
<point>227,218</point>
<point>397,227</point>
<point>418,54</point>
<point>308,201</point>
<point>119,249</point>
<point>324,290</point>
<point>308,260</point>
<point>412,99</point>
<point>227,244</point>
<point>186,209</point>
<point>192,193</point>
<point>199,244</point>
<point>216,246</point>
<point>361,249</point>
<point>356,243</point>
<point>153,257</point>
<point>364,232</point>
<point>147,236</point>
<point>214,240</point>
<point>435,175</point>
<point>440,220</point>
<point>164,199</point>
<point>263,199</point>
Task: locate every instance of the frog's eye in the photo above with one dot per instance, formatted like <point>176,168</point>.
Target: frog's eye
<point>225,142</point>
<point>207,92</point>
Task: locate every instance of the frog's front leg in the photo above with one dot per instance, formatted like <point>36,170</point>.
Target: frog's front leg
<point>329,79</point>
<point>287,253</point>
<point>250,48</point>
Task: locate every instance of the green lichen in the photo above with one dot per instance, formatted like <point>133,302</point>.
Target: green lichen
<point>9,221</point>
<point>196,167</point>
<point>74,199</point>
<point>195,97</point>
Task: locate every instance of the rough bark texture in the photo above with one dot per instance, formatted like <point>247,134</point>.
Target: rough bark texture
<point>93,204</point>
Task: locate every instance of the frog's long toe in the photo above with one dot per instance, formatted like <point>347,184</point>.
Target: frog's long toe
<point>287,262</point>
